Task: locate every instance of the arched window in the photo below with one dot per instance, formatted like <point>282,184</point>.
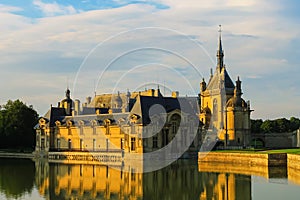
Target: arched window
<point>175,122</point>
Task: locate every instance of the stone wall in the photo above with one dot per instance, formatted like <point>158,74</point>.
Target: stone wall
<point>244,158</point>
<point>293,161</point>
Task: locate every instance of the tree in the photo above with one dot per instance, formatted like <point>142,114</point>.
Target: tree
<point>283,125</point>
<point>268,126</point>
<point>280,125</point>
<point>294,123</point>
<point>255,125</point>
<point>16,177</point>
<point>16,125</point>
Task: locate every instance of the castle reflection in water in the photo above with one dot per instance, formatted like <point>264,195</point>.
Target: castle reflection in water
<point>180,180</point>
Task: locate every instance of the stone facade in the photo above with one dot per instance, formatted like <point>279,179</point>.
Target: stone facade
<point>223,111</point>
<point>123,122</point>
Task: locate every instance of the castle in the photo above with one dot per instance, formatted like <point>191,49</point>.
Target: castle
<point>146,121</point>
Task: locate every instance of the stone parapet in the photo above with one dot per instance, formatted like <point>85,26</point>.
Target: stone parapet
<point>261,159</point>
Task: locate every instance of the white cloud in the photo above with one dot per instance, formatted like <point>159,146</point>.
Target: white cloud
<point>52,44</point>
<point>5,8</point>
<point>53,9</point>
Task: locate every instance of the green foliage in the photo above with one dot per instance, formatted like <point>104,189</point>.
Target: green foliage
<point>16,125</point>
<point>255,125</point>
<point>268,126</point>
<point>281,125</point>
<point>16,177</point>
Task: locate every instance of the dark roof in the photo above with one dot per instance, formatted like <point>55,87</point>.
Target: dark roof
<point>56,114</point>
<point>144,104</point>
<point>223,75</point>
<point>91,110</point>
<point>114,118</point>
<point>228,81</point>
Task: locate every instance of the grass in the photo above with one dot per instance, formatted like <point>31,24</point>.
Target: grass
<point>290,151</point>
<point>259,151</point>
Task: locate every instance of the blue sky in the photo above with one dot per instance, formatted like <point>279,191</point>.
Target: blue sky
<point>47,45</point>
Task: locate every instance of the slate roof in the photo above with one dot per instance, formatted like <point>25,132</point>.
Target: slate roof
<point>144,103</point>
<point>223,75</point>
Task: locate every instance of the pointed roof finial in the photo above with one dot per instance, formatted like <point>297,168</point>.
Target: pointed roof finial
<point>220,53</point>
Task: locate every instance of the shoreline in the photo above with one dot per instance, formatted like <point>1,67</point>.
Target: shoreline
<point>16,155</point>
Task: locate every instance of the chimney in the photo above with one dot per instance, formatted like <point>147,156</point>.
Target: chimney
<point>77,107</point>
<point>88,100</point>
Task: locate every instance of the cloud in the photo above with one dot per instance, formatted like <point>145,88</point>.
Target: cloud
<point>257,41</point>
<point>53,9</point>
<point>5,8</point>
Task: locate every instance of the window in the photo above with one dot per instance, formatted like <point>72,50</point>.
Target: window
<point>174,128</point>
<point>81,144</point>
<point>58,143</point>
<point>70,144</point>
<point>107,127</point>
<point>107,144</point>
<point>155,142</point>
<point>42,143</point>
<point>94,130</point>
<point>122,143</point>
<point>94,144</point>
<point>239,141</point>
<point>132,144</point>
<point>215,110</point>
<point>81,130</point>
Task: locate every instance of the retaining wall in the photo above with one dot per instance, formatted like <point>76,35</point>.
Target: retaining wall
<point>269,160</point>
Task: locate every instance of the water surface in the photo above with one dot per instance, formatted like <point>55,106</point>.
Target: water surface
<point>184,179</point>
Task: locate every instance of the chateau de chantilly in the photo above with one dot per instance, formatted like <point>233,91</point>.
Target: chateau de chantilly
<point>122,123</point>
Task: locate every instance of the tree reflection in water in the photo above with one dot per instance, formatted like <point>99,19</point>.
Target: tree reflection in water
<point>16,177</point>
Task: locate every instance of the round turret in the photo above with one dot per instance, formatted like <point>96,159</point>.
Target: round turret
<point>235,102</point>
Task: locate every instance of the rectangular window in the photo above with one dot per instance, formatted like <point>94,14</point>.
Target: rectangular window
<point>122,143</point>
<point>94,144</point>
<point>81,130</point>
<point>94,130</point>
<point>174,127</point>
<point>155,142</point>
<point>58,143</point>
<point>107,145</point>
<point>42,144</point>
<point>132,144</point>
<point>70,144</point>
<point>81,144</point>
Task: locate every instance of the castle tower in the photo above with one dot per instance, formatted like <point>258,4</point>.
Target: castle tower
<point>222,109</point>
<point>67,103</point>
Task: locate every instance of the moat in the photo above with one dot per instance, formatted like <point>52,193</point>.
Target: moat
<point>183,179</point>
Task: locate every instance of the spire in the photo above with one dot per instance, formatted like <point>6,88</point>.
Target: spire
<point>68,92</point>
<point>203,85</point>
<point>238,87</point>
<point>220,53</point>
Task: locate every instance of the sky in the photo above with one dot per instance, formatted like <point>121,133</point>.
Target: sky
<point>106,46</point>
